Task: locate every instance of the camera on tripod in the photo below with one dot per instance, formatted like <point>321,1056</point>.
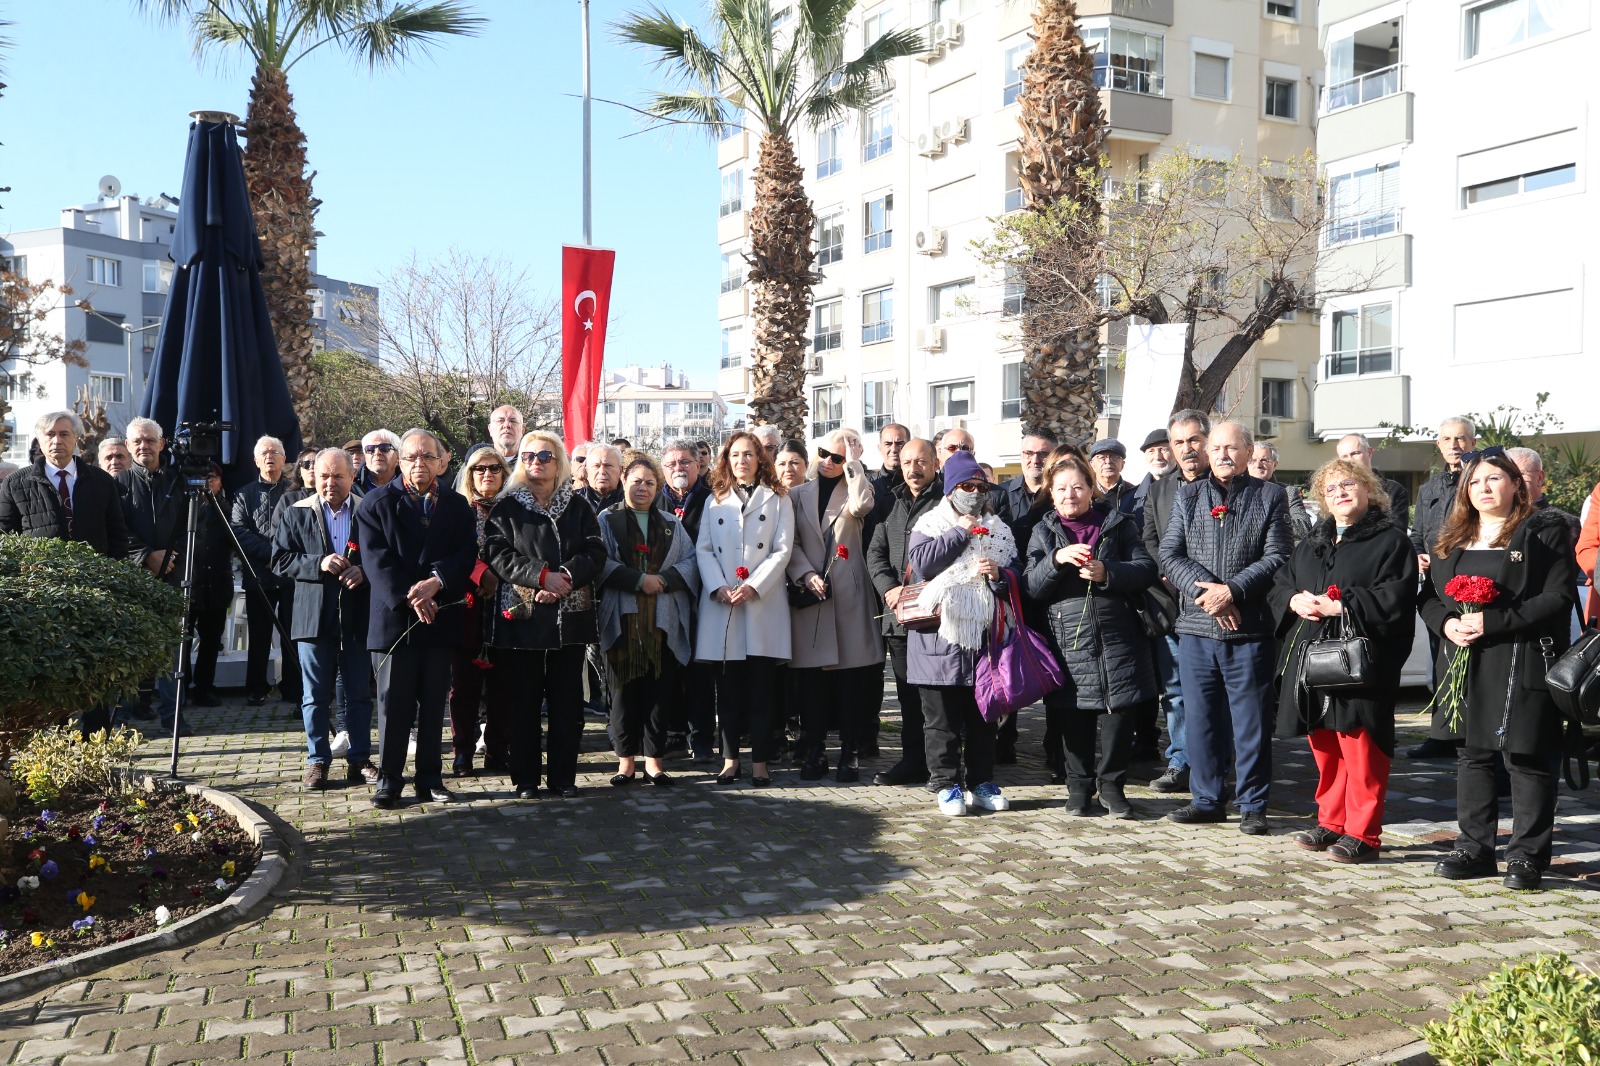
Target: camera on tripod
<point>195,446</point>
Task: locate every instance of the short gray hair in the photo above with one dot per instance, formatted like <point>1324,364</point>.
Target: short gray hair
<point>385,436</point>
<point>349,463</point>
<point>1269,446</point>
<point>767,434</point>
<point>598,447</point>
<point>111,439</point>
<point>418,431</point>
<point>1525,455</point>
<point>48,420</point>
<point>1366,445</point>
<point>1460,420</point>
<point>269,439</point>
<point>1244,430</point>
<point>135,424</point>
<point>1189,414</point>
<point>680,445</point>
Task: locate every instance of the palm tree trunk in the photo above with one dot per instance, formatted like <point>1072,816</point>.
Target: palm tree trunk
<point>780,258</point>
<point>1063,133</point>
<point>281,200</point>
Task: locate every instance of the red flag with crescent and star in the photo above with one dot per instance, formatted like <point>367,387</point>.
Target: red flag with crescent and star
<point>585,300</point>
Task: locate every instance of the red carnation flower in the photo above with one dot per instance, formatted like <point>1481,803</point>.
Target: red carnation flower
<point>642,549</point>
<point>1471,591</point>
<point>469,600</point>
<point>980,531</point>
<point>678,511</point>
<point>506,614</point>
<point>742,572</point>
<point>1333,592</point>
<point>842,552</point>
<point>483,664</point>
<point>1218,511</point>
<point>351,546</point>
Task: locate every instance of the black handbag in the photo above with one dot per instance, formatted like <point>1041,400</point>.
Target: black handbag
<point>1574,680</point>
<point>801,596</point>
<point>1338,662</point>
<point>1157,608</point>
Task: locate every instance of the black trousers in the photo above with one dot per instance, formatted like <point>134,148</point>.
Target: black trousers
<point>747,701</point>
<point>1117,730</point>
<point>413,688</point>
<point>641,708</point>
<point>833,692</point>
<point>210,619</point>
<point>870,716</point>
<point>913,749</point>
<point>953,728</point>
<point>260,607</point>
<point>537,678</point>
<point>1533,804</point>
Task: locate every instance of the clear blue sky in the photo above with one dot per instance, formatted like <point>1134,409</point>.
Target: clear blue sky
<point>474,146</point>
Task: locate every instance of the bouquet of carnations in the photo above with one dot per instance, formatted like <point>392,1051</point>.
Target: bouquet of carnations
<point>1473,594</point>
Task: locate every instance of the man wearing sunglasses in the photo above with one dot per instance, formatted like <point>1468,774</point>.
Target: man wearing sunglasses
<point>273,596</point>
<point>381,450</point>
<point>951,441</point>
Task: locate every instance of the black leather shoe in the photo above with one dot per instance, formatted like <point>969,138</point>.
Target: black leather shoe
<point>205,697</point>
<point>436,794</point>
<point>1005,754</point>
<point>1432,749</point>
<point>386,795</point>
<point>1253,823</point>
<point>1082,806</point>
<point>1522,875</point>
<point>760,782</point>
<point>1462,865</point>
<point>257,698</point>
<point>461,767</point>
<point>1174,780</point>
<point>658,780</point>
<point>1117,804</point>
<point>1351,850</point>
<point>847,775</point>
<point>529,793</point>
<point>622,780</point>
<point>1189,814</point>
<point>870,750</point>
<point>901,774</point>
<point>728,779</point>
<point>813,771</point>
<point>1317,838</point>
<point>492,765</point>
<point>570,792</point>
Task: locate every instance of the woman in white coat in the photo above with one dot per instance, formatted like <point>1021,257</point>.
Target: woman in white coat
<point>837,641</point>
<point>746,533</point>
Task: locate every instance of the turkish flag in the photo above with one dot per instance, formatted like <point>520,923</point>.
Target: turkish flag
<point>585,300</point>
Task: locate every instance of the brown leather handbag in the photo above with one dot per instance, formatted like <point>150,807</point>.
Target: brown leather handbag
<point>910,612</point>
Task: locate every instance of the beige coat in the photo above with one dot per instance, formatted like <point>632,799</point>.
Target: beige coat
<point>841,632</point>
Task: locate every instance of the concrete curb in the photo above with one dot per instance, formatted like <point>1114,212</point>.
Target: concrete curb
<point>1411,1055</point>
<point>246,902</point>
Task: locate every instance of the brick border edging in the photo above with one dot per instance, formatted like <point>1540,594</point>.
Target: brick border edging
<point>1411,1055</point>
<point>240,906</point>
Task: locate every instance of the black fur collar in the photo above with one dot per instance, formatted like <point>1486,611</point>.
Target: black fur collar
<point>1375,521</point>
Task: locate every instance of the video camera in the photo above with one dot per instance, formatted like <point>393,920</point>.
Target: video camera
<point>195,447</point>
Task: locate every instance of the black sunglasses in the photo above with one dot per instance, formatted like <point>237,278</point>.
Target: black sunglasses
<point>490,468</point>
<point>823,453</point>
<point>543,457</point>
<point>1486,453</point>
<point>973,486</point>
<point>371,448</point>
<point>308,464</point>
<point>953,448</point>
<point>580,458</point>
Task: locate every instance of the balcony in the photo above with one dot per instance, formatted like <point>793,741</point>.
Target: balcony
<point>1352,363</point>
<point>1144,10</point>
<point>1380,263</point>
<point>1365,126</point>
<point>1137,116</point>
<point>1359,404</point>
<point>1362,89</point>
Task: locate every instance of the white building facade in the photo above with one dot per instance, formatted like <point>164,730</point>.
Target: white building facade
<point>655,406</point>
<point>1467,200</point>
<point>908,326</point>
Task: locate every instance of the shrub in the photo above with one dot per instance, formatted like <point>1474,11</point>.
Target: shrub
<point>61,761</point>
<point>79,630</point>
<point>1542,1010</point>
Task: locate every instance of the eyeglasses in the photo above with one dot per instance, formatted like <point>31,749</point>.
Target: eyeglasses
<point>372,449</point>
<point>490,469</point>
<point>308,464</point>
<point>545,456</point>
<point>420,457</point>
<point>953,448</point>
<point>1026,454</point>
<point>1347,485</point>
<point>973,486</point>
<point>823,453</point>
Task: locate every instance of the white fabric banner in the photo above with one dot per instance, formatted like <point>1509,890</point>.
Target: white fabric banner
<point>1149,386</point>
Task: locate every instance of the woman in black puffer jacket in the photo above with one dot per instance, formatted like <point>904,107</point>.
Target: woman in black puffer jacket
<point>1087,563</point>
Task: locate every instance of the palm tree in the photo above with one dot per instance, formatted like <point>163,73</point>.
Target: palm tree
<point>779,80</point>
<point>1063,133</point>
<point>278,34</point>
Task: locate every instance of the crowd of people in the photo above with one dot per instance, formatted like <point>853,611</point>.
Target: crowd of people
<point>738,609</point>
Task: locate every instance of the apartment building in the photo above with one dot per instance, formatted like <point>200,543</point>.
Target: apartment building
<point>655,405</point>
<point>908,326</point>
<point>1464,199</point>
<point>115,253</point>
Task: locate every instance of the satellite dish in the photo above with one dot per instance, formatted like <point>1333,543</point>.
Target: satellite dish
<point>110,187</point>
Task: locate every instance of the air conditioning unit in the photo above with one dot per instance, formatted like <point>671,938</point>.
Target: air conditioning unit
<point>934,50</point>
<point>929,241</point>
<point>813,364</point>
<point>930,339</point>
<point>955,130</point>
<point>1267,427</point>
<point>946,34</point>
<point>930,144</point>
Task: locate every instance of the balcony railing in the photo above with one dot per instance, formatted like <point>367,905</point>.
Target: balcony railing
<point>1359,362</point>
<point>1362,227</point>
<point>1363,88</point>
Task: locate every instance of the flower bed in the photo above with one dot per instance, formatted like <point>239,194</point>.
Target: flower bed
<point>87,873</point>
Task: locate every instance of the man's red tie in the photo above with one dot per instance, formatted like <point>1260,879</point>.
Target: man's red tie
<point>66,500</point>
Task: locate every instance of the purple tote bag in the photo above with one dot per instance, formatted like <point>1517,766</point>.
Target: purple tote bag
<point>1017,668</point>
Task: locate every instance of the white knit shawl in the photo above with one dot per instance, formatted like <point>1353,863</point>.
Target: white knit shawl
<point>966,605</point>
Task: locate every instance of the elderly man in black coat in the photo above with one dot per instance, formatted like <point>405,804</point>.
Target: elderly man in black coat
<point>271,599</point>
<point>61,498</point>
<point>332,598</point>
<point>418,542</point>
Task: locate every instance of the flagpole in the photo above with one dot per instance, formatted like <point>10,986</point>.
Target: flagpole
<point>588,219</point>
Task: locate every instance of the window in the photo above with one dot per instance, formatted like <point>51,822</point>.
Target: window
<point>878,223</point>
<point>1364,66</point>
<point>1127,59</point>
<point>1283,9</point>
<point>1519,169</point>
<point>150,333</point>
<point>877,316</point>
<point>1277,199</point>
<point>877,405</point>
<point>641,408</point>
<point>732,271</point>
<point>1277,397</point>
<point>1106,290</point>
<point>1504,24</point>
<point>1213,288</point>
<point>157,277</point>
<point>1211,76</point>
<point>830,238</point>
<point>12,386</point>
<point>827,330</point>
<point>878,131</point>
<point>1013,182</point>
<point>611,407</point>
<point>951,300</point>
<point>828,140</point>
<point>875,25</point>
<point>952,400</point>
<point>782,17</point>
<point>14,264</point>
<point>1544,323</point>
<point>827,409</point>
<point>1278,99</point>
<point>1362,341</point>
<point>1363,203</point>
<point>104,271</point>
<point>732,193</point>
<point>1013,73</point>
<point>319,303</point>
<point>105,388</point>
<point>102,327</point>
<point>732,347</point>
<point>1011,299</point>
<point>953,9</point>
<point>1517,186</point>
<point>700,409</point>
<point>732,129</point>
<point>1011,390</point>
<point>669,409</point>
<point>1211,182</point>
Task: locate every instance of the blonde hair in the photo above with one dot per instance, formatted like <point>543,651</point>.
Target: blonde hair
<point>1360,473</point>
<point>464,480</point>
<point>519,478</point>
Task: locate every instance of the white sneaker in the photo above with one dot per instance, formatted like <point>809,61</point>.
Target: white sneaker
<point>953,802</point>
<point>483,746</point>
<point>987,796</point>
<point>411,745</point>
<point>340,744</point>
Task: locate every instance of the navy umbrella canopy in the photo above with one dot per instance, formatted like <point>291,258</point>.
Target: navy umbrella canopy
<point>216,359</point>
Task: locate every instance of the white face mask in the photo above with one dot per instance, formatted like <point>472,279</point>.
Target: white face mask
<point>966,502</point>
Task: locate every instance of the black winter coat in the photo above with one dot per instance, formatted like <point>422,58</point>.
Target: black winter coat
<point>1098,637</point>
<point>886,554</point>
<point>1157,512</point>
<point>1376,572</point>
<point>520,542</point>
<point>1507,706</point>
<point>30,505</point>
<point>693,505</point>
<point>156,508</point>
<point>398,551</point>
<point>324,610</point>
<point>253,522</point>
<point>1434,501</point>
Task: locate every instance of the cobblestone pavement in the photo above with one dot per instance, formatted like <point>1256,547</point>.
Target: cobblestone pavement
<point>809,923</point>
